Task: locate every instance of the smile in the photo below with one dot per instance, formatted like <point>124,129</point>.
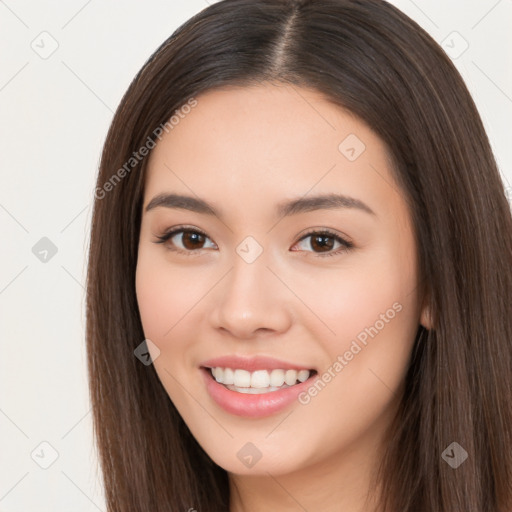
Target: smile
<point>261,400</point>
<point>259,381</point>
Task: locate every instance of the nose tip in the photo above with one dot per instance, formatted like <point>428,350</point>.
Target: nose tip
<point>250,301</point>
<point>245,321</point>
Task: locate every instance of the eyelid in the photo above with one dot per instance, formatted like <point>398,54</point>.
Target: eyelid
<point>328,231</point>
<point>168,233</point>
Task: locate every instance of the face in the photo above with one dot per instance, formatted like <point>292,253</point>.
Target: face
<point>294,251</point>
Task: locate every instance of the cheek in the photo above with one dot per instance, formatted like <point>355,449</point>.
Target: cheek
<point>373,312</point>
<point>370,316</point>
<point>170,298</point>
<point>155,295</point>
<point>352,298</point>
<point>164,295</point>
<point>164,298</point>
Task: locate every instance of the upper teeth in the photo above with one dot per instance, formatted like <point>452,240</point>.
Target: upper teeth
<point>259,378</point>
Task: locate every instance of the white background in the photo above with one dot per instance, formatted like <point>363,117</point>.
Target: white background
<point>55,113</point>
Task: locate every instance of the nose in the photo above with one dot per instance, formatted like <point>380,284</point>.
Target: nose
<point>251,300</point>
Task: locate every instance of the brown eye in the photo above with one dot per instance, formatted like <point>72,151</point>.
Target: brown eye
<point>186,241</point>
<point>192,240</point>
<point>323,242</point>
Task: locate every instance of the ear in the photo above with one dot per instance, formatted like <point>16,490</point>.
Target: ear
<point>426,315</point>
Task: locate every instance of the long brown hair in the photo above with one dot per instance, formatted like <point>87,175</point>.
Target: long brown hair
<point>369,58</point>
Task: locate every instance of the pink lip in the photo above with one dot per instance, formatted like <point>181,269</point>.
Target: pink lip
<point>252,364</point>
<point>253,406</point>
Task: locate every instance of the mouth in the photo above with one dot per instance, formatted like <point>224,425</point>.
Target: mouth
<point>259,381</point>
<point>256,394</point>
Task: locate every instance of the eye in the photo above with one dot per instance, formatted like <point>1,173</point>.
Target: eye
<point>189,241</point>
<point>184,240</point>
<point>324,241</point>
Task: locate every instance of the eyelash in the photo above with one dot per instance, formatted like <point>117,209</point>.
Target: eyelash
<point>346,245</point>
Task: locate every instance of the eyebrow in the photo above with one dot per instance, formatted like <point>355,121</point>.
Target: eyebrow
<point>283,209</point>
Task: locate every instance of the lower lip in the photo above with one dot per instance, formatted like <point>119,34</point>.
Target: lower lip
<point>253,406</point>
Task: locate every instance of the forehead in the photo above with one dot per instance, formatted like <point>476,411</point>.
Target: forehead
<point>286,119</point>
<point>268,141</point>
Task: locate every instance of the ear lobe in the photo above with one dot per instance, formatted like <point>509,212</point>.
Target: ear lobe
<point>426,317</point>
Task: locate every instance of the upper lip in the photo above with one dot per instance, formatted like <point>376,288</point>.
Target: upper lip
<point>252,364</point>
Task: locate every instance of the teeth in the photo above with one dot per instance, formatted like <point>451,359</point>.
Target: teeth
<point>228,377</point>
<point>290,377</point>
<point>260,379</point>
<point>251,382</point>
<point>277,378</point>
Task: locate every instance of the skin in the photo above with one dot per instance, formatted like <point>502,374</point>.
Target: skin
<point>245,149</point>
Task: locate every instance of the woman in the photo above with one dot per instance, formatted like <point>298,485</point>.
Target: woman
<point>260,138</point>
